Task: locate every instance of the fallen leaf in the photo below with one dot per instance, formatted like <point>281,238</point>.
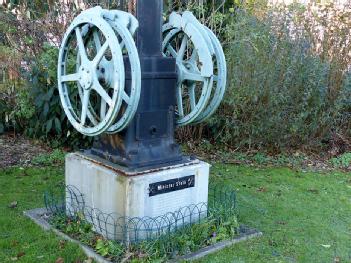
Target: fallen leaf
<point>41,256</point>
<point>14,243</point>
<point>89,260</point>
<point>24,173</point>
<point>13,204</point>
<point>272,243</point>
<point>59,260</point>
<point>62,244</point>
<point>326,246</point>
<point>14,259</point>
<point>281,223</point>
<point>262,189</point>
<point>337,260</point>
<point>314,191</point>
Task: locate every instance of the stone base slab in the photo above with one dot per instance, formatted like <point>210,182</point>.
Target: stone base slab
<point>124,194</point>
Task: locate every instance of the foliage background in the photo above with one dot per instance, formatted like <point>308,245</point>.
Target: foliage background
<point>289,78</point>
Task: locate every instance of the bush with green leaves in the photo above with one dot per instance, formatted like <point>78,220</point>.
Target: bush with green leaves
<point>40,104</point>
<point>342,161</point>
<point>9,107</point>
<point>3,115</point>
<point>282,92</point>
<point>278,94</point>
<point>56,157</point>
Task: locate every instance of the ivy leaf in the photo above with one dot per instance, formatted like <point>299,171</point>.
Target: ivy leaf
<point>46,109</point>
<point>39,101</point>
<point>58,125</point>
<point>48,126</point>
<point>49,94</point>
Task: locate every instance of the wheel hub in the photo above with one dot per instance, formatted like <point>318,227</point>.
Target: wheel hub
<point>86,77</point>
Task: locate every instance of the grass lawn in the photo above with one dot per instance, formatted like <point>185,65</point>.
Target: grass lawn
<point>20,239</point>
<point>305,216</point>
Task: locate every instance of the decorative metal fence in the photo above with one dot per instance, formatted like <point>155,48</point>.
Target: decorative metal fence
<point>70,203</point>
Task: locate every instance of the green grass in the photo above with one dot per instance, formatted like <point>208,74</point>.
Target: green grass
<point>20,239</point>
<point>305,216</point>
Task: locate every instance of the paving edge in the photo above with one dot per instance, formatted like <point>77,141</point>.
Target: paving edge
<point>219,246</point>
<point>38,214</point>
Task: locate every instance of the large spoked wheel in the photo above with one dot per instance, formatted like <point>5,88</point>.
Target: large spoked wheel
<point>219,78</point>
<point>85,85</point>
<point>194,65</point>
<point>131,93</point>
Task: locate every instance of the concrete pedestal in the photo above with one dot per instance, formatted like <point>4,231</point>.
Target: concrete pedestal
<point>123,194</point>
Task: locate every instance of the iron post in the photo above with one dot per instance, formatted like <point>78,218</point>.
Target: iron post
<point>149,140</point>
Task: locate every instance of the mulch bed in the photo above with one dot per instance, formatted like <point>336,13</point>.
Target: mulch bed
<point>17,150</point>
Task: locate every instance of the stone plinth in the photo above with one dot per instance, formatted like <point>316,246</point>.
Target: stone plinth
<point>125,194</point>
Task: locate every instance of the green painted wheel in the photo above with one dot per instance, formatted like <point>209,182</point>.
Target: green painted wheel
<point>218,62</point>
<point>184,42</point>
<point>108,73</point>
<point>86,78</point>
<point>219,80</point>
<point>125,25</point>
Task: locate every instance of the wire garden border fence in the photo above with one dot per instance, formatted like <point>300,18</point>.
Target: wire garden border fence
<point>69,203</point>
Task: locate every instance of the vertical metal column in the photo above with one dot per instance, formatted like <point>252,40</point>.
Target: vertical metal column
<point>149,35</point>
<point>148,141</point>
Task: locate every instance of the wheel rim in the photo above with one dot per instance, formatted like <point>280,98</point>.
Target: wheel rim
<point>189,73</point>
<point>219,79</point>
<point>130,97</point>
<point>87,76</point>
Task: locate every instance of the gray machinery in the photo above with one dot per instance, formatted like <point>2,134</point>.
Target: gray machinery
<point>131,81</point>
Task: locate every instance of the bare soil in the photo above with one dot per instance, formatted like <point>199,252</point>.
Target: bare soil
<point>17,150</point>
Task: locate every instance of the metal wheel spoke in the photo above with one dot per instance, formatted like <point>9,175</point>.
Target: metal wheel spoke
<point>194,76</point>
<point>172,51</point>
<point>102,92</point>
<point>81,47</point>
<point>92,118</point>
<point>100,54</point>
<point>70,77</point>
<point>215,78</point>
<point>97,40</point>
<point>180,101</point>
<point>103,109</point>
<point>182,48</point>
<point>85,104</point>
<point>89,112</point>
<point>122,45</point>
<point>192,96</point>
<point>194,56</point>
<point>125,97</point>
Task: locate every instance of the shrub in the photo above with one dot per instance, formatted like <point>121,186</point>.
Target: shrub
<point>342,161</point>
<point>279,89</point>
<point>289,79</point>
<point>40,104</point>
<point>8,106</point>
